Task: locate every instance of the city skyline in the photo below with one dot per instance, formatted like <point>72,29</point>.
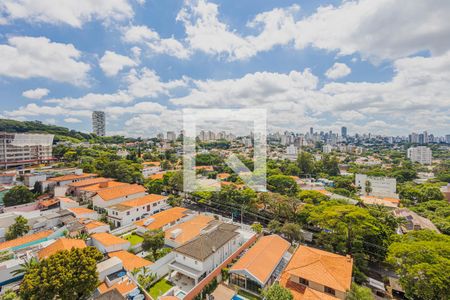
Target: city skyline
<point>143,63</point>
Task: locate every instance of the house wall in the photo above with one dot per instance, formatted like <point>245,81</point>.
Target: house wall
<point>134,213</point>
<point>101,204</point>
<point>319,287</point>
<point>381,186</point>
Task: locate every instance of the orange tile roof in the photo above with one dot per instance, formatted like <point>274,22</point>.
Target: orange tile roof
<point>89,181</point>
<point>262,259</point>
<point>163,218</point>
<point>72,177</point>
<point>124,287</point>
<point>92,224</point>
<point>59,245</point>
<point>120,191</point>
<point>100,186</point>
<point>157,176</point>
<point>25,239</point>
<point>65,199</point>
<point>130,261</point>
<point>189,229</point>
<point>325,268</point>
<point>301,292</point>
<point>107,239</point>
<point>223,175</point>
<point>48,202</point>
<point>81,210</point>
<point>147,199</point>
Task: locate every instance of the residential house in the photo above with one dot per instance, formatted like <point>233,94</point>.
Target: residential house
<point>86,193</point>
<point>130,261</point>
<point>413,221</point>
<point>94,226</point>
<point>75,188</point>
<point>197,258</point>
<point>83,213</point>
<point>376,186</point>
<point>316,274</point>
<point>65,180</point>
<point>26,240</point>
<point>106,242</point>
<point>129,211</point>
<point>60,245</point>
<point>150,168</point>
<point>115,195</point>
<point>164,219</point>
<point>186,231</point>
<point>260,266</point>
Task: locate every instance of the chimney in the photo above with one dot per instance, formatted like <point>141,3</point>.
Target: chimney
<point>104,184</point>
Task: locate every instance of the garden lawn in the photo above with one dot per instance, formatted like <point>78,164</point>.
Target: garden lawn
<point>134,239</point>
<point>159,288</point>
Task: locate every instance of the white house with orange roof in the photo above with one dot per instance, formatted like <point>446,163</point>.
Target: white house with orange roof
<point>106,242</point>
<point>87,192</point>
<point>83,213</point>
<point>184,232</point>
<point>130,261</point>
<point>60,245</point>
<point>94,226</point>
<point>150,168</point>
<point>261,265</point>
<point>316,274</point>
<point>164,219</point>
<point>129,211</point>
<point>63,181</point>
<point>115,195</point>
<point>75,187</point>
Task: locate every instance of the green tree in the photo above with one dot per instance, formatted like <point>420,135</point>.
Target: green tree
<point>154,186</point>
<point>282,184</point>
<point>312,197</point>
<point>9,295</point>
<point>422,261</point>
<point>153,240</point>
<point>305,162</point>
<point>25,267</point>
<point>368,187</point>
<point>358,292</point>
<point>292,231</point>
<point>18,195</point>
<point>124,171</point>
<point>64,275</point>
<point>257,227</point>
<point>277,292</point>
<point>18,229</point>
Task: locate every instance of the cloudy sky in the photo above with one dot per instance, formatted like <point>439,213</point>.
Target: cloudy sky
<point>374,66</point>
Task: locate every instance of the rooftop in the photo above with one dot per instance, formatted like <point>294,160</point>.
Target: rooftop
<point>90,181</point>
<point>141,201</point>
<point>60,245</point>
<point>124,286</point>
<point>189,229</point>
<point>159,220</point>
<point>129,260</point>
<point>325,268</point>
<point>206,244</point>
<point>107,239</point>
<point>72,177</point>
<point>25,239</point>
<point>262,259</point>
<point>101,186</point>
<point>120,191</point>
<point>80,210</point>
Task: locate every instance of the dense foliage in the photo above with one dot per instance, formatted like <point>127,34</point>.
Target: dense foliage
<point>65,275</point>
<point>18,195</point>
<point>18,229</point>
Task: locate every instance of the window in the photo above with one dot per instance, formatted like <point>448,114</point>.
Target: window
<point>128,213</point>
<point>330,291</point>
<point>303,281</point>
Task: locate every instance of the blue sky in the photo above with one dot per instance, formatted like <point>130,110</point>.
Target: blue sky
<point>373,66</point>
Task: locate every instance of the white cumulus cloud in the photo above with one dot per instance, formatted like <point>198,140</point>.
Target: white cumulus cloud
<point>112,63</point>
<point>71,12</point>
<point>36,93</point>
<point>338,70</point>
<point>59,62</point>
<point>72,120</point>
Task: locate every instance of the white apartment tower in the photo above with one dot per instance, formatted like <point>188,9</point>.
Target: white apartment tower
<point>420,154</point>
<point>20,149</point>
<point>98,123</point>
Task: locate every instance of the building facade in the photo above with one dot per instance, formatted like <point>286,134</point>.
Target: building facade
<point>99,123</point>
<point>376,186</point>
<point>20,149</point>
<point>420,154</point>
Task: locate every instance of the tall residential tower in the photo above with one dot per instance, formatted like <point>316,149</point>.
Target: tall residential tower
<point>98,123</point>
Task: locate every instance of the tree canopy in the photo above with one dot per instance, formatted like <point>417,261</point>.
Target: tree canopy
<point>277,292</point>
<point>65,275</point>
<point>18,195</point>
<point>18,229</point>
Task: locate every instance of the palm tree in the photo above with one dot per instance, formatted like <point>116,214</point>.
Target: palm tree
<point>26,267</point>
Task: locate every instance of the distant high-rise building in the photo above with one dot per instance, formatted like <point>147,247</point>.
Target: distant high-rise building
<point>98,123</point>
<point>20,149</point>
<point>171,136</point>
<point>311,131</point>
<point>344,131</point>
<point>447,138</point>
<point>420,154</point>
<point>160,136</point>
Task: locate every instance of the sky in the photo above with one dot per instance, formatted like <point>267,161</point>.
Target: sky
<point>373,66</point>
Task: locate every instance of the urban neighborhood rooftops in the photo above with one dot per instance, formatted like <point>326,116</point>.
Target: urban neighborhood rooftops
<point>72,177</point>
<point>60,245</point>
<point>107,239</point>
<point>120,191</point>
<point>129,260</point>
<point>141,201</point>
<point>26,239</point>
<point>159,220</point>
